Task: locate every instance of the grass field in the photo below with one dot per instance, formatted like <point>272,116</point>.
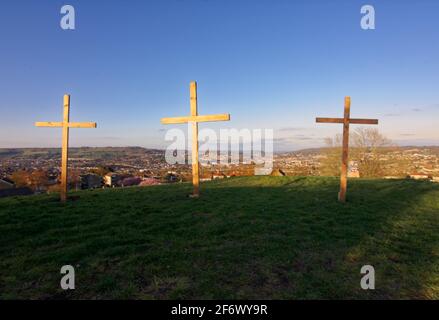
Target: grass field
<point>252,238</point>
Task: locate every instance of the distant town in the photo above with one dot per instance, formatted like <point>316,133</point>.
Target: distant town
<point>36,170</point>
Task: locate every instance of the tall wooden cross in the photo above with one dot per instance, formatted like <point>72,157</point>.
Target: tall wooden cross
<point>65,125</point>
<point>194,118</point>
<point>346,120</point>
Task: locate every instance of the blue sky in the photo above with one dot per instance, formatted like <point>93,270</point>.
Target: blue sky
<point>270,64</point>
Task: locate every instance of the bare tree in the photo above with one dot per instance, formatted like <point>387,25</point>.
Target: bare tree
<point>368,147</point>
<point>21,178</point>
<point>37,179</point>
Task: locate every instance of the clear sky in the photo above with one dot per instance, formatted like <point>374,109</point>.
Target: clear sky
<point>270,64</point>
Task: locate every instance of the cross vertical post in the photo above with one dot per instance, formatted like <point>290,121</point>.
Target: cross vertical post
<point>65,147</point>
<point>345,155</point>
<point>346,121</point>
<point>194,118</point>
<point>195,164</point>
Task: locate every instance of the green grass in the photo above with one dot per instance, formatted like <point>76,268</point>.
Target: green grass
<point>252,238</point>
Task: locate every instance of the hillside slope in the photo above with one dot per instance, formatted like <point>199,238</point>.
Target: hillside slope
<point>256,237</point>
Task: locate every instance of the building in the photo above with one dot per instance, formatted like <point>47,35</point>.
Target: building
<point>218,175</point>
<point>262,171</point>
<point>171,177</point>
<point>353,170</point>
<point>90,181</point>
<point>149,182</point>
<point>418,176</point>
<point>112,179</point>
<point>6,184</point>
<point>131,181</point>
<point>278,173</point>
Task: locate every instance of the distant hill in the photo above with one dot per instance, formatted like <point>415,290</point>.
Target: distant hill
<point>315,151</point>
<point>244,238</point>
<point>117,152</point>
<point>84,152</point>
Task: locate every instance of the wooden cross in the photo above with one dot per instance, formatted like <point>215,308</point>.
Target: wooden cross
<point>346,120</point>
<point>194,118</point>
<point>65,125</point>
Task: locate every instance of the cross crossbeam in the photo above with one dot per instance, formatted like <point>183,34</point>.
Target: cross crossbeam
<point>351,120</point>
<point>346,121</point>
<point>65,125</point>
<point>194,119</point>
<point>70,124</point>
<point>209,118</point>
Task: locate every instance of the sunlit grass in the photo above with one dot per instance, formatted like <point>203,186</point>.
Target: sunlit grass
<point>257,237</point>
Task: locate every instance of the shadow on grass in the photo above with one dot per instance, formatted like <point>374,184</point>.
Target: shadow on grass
<point>264,237</point>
